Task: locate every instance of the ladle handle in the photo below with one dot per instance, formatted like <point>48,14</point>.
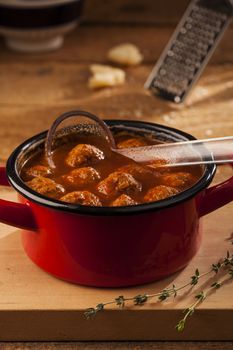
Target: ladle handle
<point>218,150</point>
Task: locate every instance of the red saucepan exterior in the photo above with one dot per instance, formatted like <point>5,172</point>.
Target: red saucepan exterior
<point>111,247</point>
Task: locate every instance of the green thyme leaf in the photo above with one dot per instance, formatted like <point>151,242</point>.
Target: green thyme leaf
<point>180,326</point>
<point>140,299</point>
<point>174,290</point>
<point>120,301</point>
<point>201,296</point>
<point>216,285</point>
<point>164,295</point>
<point>216,267</point>
<point>90,313</point>
<point>99,307</point>
<point>195,278</point>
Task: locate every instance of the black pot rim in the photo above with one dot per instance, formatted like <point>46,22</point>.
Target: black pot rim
<point>28,193</point>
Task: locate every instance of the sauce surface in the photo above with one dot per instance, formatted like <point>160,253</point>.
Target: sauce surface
<point>88,173</point>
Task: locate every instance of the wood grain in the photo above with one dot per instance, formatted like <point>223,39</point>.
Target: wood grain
<point>90,43</point>
<point>121,346</point>
<point>159,12</point>
<point>134,11</point>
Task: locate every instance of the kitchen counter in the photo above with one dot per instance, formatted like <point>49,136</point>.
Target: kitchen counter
<point>34,89</point>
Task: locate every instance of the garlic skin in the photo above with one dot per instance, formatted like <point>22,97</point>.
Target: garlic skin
<point>125,54</point>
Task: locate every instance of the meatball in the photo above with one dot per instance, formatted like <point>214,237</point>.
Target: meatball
<point>81,176</point>
<point>82,197</point>
<point>132,142</point>
<point>159,192</point>
<point>157,166</point>
<point>119,182</point>
<point>84,154</point>
<point>180,179</point>
<point>138,171</point>
<point>38,170</point>
<point>46,186</point>
<point>123,200</point>
<point>157,163</point>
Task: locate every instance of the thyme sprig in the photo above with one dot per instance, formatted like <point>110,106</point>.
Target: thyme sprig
<point>226,262</point>
<point>200,297</point>
<point>190,310</point>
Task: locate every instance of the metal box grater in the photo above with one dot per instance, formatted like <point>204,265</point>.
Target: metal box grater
<point>190,48</point>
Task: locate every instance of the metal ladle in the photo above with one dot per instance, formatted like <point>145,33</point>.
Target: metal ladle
<point>85,123</point>
<point>207,151</point>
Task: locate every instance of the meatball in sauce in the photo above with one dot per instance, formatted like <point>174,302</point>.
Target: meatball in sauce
<point>38,170</point>
<point>88,173</point>
<point>123,200</point>
<point>84,154</point>
<point>81,177</point>
<point>117,183</point>
<point>82,197</point>
<point>46,187</point>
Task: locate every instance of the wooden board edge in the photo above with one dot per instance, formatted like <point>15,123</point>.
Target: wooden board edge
<point>138,325</point>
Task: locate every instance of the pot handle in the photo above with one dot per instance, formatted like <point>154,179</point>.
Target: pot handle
<point>15,214</point>
<point>216,197</point>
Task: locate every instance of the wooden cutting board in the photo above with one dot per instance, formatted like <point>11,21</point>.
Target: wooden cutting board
<point>36,306</point>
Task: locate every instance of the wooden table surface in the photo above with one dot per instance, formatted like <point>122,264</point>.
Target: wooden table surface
<point>34,89</point>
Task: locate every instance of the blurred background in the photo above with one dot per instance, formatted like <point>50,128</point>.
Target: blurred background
<point>134,11</point>
<point>35,88</point>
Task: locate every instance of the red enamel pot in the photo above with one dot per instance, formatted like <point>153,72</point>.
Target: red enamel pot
<point>105,246</point>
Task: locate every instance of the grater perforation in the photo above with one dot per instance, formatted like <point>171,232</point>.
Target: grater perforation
<point>190,48</point>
